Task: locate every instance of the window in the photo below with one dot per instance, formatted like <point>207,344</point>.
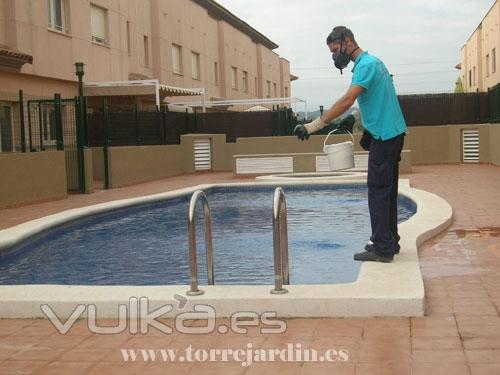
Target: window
<point>128,38</point>
<point>57,15</point>
<point>49,126</point>
<point>176,59</point>
<point>5,128</point>
<point>195,65</point>
<point>487,65</point>
<point>470,78</point>
<point>216,74</point>
<point>146,51</point>
<point>245,81</point>
<point>275,87</point>
<point>493,60</point>
<point>268,92</point>
<point>98,22</point>
<point>234,78</point>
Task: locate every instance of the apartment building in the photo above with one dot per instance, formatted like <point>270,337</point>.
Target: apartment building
<point>479,55</point>
<point>181,43</point>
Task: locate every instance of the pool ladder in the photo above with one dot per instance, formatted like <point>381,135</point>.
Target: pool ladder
<point>280,242</point>
<point>194,290</point>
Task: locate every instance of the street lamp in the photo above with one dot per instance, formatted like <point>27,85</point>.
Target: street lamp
<point>79,73</point>
<point>81,126</point>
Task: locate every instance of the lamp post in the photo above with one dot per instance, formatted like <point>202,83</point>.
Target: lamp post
<point>79,73</point>
<point>321,110</point>
<point>81,129</point>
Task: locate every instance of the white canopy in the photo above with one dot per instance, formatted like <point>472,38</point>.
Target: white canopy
<point>139,87</point>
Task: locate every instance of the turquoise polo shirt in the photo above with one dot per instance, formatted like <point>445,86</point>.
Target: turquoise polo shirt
<point>379,107</point>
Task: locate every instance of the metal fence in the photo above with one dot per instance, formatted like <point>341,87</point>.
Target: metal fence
<point>166,127</point>
<point>441,109</point>
<point>494,103</point>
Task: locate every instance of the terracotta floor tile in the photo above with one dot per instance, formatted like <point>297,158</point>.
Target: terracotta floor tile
<point>439,343</point>
<point>485,369</point>
<point>387,327</point>
<point>309,368</point>
<point>384,368</point>
<point>339,327</point>
<point>434,326</point>
<point>104,342</point>
<point>216,368</point>
<point>58,367</point>
<point>281,368</point>
<point>483,355</point>
<point>421,368</point>
<point>438,356</point>
<point>481,343</point>
<point>383,349</point>
<point>85,355</point>
<point>21,367</point>
<point>110,368</point>
<point>37,354</point>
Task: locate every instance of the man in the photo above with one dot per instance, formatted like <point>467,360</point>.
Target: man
<point>384,134</point>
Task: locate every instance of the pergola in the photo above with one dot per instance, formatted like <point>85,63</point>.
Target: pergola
<point>151,88</point>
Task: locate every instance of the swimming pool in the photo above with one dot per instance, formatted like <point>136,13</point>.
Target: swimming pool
<point>147,244</point>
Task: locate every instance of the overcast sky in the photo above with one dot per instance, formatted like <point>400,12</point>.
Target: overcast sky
<point>418,40</point>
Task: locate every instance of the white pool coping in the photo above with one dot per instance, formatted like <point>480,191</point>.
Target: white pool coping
<point>392,289</point>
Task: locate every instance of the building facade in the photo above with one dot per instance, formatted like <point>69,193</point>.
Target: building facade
<point>181,43</point>
<point>479,55</point>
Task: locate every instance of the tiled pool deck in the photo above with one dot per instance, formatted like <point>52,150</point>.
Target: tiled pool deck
<point>459,335</point>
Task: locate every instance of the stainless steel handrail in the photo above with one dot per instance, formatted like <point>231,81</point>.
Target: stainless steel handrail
<point>280,242</point>
<point>197,195</point>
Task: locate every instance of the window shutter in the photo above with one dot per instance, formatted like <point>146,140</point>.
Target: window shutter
<point>98,24</point>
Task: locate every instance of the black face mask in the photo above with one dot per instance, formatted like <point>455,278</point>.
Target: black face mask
<point>342,59</point>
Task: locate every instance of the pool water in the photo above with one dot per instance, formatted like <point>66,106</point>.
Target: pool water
<point>148,244</point>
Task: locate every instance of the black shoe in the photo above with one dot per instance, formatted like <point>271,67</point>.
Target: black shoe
<point>371,256</point>
<point>369,247</point>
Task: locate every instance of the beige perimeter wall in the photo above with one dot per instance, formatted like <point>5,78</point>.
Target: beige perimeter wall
<point>495,144</point>
<point>136,164</point>
<point>32,177</point>
<point>443,144</point>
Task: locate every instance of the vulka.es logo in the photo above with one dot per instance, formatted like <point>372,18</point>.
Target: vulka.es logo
<point>138,318</point>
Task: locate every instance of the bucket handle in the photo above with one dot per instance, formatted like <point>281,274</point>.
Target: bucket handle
<point>333,131</point>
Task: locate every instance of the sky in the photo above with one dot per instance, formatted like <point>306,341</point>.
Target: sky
<point>418,40</point>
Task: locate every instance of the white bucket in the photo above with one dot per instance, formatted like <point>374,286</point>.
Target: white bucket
<point>340,155</point>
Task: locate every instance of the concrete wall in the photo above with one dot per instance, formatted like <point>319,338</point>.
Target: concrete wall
<point>222,152</point>
<point>31,177</point>
<point>495,144</point>
<point>443,144</point>
<point>98,163</point>
<point>136,164</point>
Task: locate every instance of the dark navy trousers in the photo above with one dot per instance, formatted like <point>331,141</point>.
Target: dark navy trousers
<point>383,175</point>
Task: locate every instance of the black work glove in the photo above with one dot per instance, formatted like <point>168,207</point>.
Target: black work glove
<point>301,132</point>
<point>365,140</point>
<point>347,123</point>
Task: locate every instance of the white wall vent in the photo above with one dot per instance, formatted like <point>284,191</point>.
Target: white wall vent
<point>202,155</point>
<point>470,146</point>
<point>264,165</point>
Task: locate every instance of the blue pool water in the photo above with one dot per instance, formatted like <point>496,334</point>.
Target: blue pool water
<point>147,244</point>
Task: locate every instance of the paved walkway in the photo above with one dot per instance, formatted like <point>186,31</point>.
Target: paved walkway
<point>459,335</point>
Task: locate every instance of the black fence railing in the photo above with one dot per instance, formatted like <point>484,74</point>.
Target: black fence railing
<point>166,127</point>
<point>442,109</point>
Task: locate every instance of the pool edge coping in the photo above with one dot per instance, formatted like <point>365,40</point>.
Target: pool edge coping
<point>367,296</point>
